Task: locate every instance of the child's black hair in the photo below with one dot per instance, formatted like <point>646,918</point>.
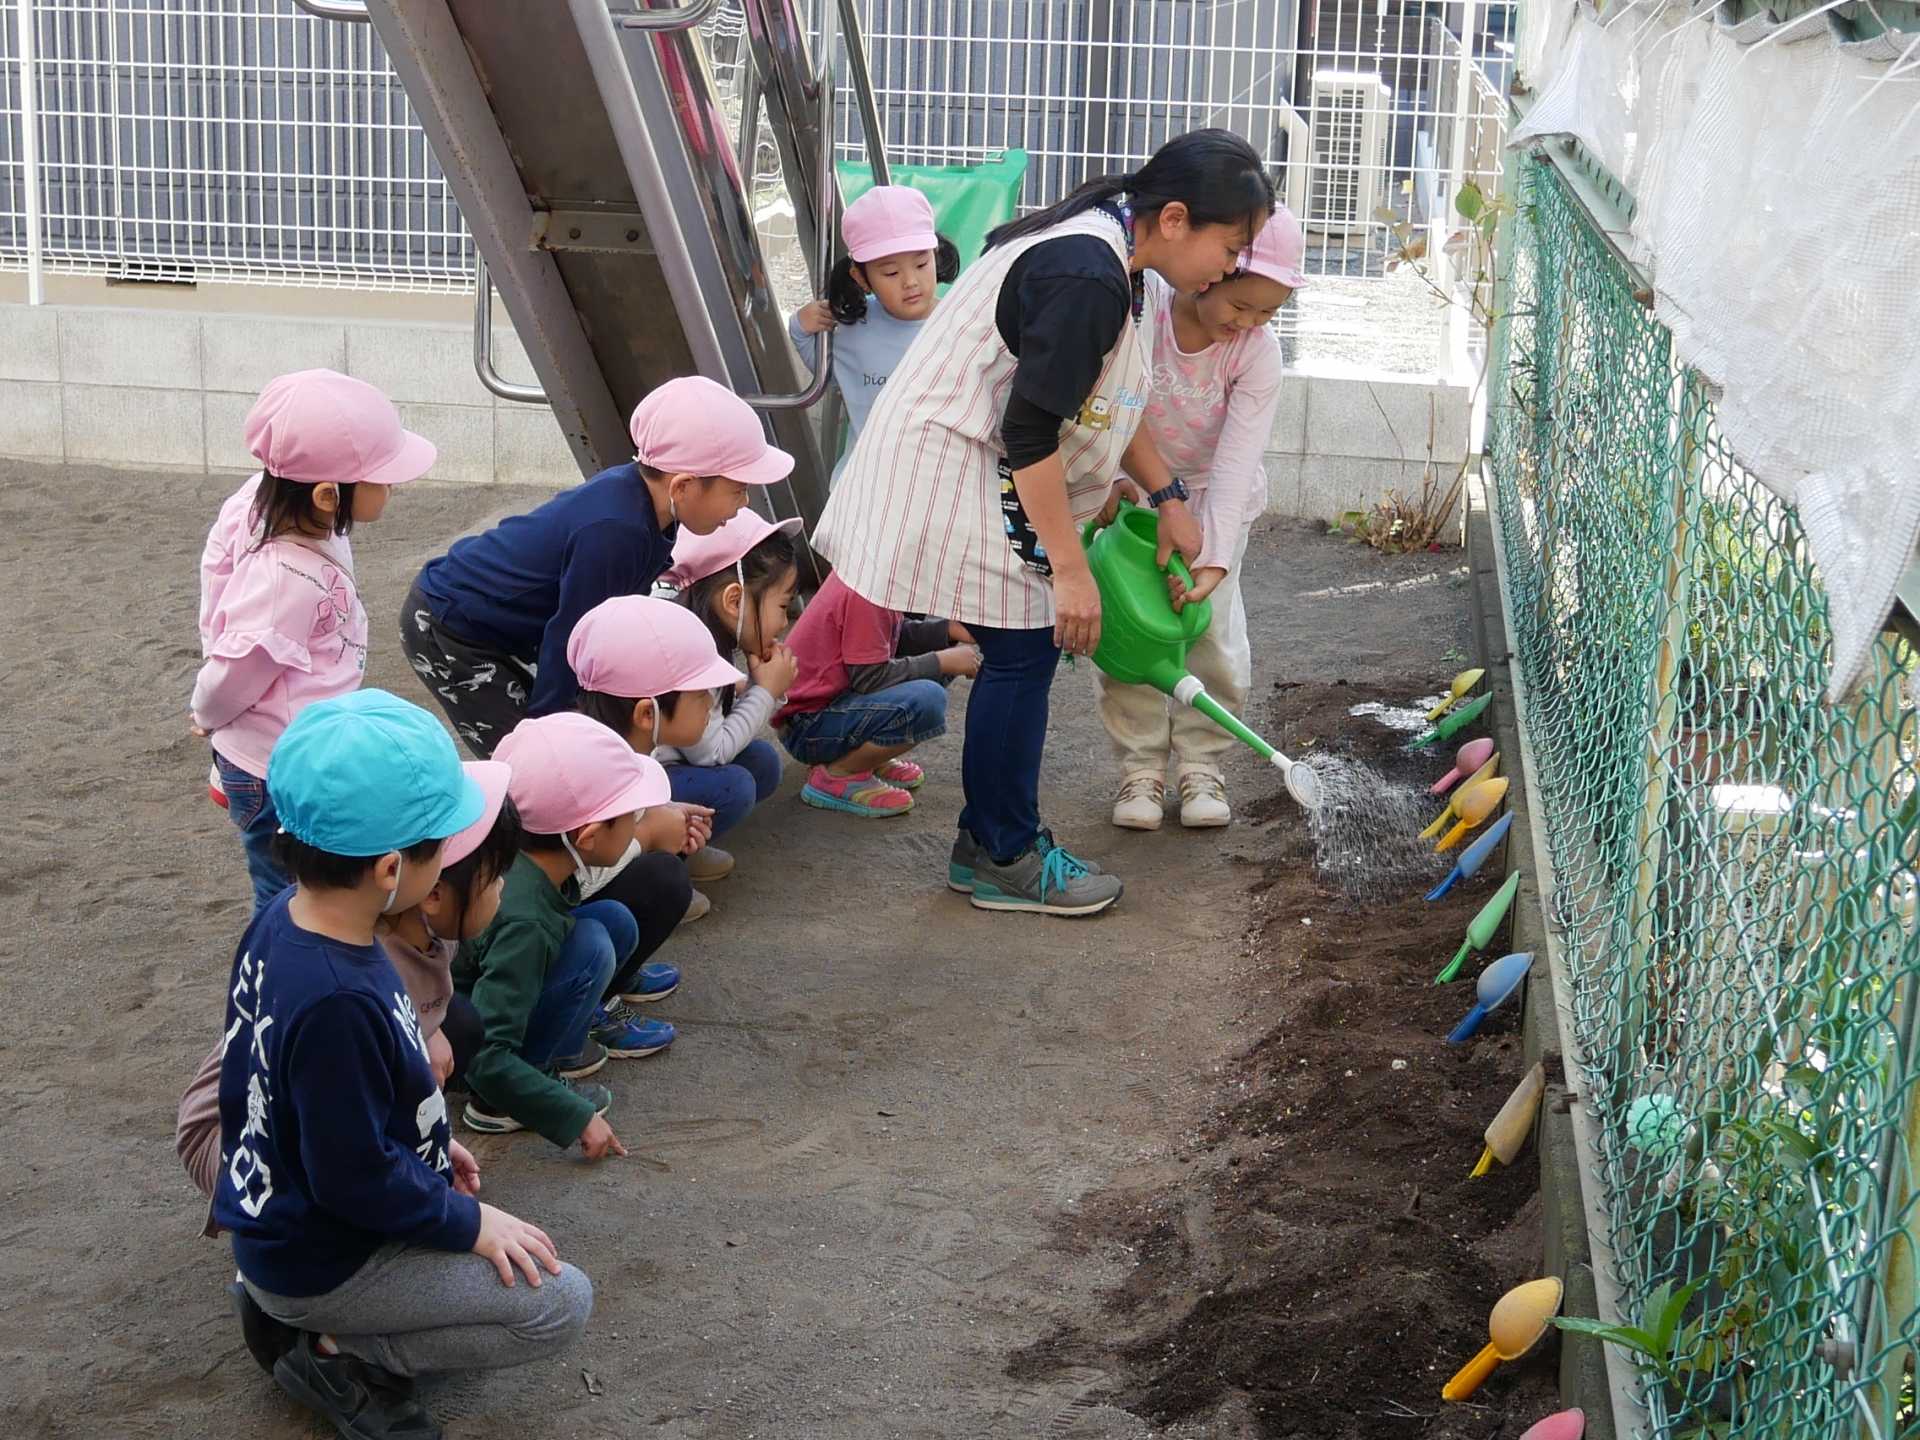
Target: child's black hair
<point>544,843</point>
<point>616,711</point>
<point>489,860</point>
<point>281,506</point>
<point>760,567</point>
<point>1219,177</point>
<point>847,298</point>
<point>322,870</point>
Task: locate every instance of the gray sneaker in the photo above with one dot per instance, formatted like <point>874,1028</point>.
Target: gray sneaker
<point>588,1062</point>
<point>483,1116</point>
<point>1046,879</point>
<point>967,854</point>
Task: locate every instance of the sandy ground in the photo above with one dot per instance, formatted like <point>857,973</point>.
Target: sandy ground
<point>836,1218</point>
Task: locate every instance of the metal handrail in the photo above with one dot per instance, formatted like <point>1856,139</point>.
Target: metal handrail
<point>823,246</point>
<point>352,10</point>
<point>678,17</point>
<point>483,343</point>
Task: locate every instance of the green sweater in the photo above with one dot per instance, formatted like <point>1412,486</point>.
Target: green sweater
<point>503,973</point>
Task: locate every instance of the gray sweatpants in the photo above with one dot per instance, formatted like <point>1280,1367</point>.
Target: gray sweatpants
<point>414,1311</point>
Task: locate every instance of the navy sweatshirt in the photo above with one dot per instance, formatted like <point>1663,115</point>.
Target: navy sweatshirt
<point>520,587</point>
<point>333,1133</point>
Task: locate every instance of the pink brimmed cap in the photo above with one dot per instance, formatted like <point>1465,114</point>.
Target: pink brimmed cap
<point>569,771</point>
<point>320,427</point>
<point>637,647</point>
<point>691,426</point>
<point>1279,250</point>
<point>697,556</point>
<point>888,220</point>
<point>493,778</point>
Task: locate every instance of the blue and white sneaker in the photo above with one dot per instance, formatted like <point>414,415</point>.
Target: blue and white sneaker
<point>656,981</point>
<point>626,1036</point>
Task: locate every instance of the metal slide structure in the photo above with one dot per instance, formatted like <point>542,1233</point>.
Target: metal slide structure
<point>608,196</point>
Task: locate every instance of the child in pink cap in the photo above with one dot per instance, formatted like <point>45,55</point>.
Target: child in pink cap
<point>498,607</point>
<point>895,255</point>
<point>740,582</point>
<point>1215,387</point>
<point>281,620</point>
<point>554,980</point>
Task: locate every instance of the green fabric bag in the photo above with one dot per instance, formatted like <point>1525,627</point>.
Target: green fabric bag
<point>967,200</point>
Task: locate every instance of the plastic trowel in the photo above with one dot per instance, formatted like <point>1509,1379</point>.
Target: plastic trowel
<point>1482,928</point>
<point>1452,812</point>
<point>1454,723</point>
<point>1567,1425</point>
<point>1508,1130</point>
<point>1469,758</point>
<point>1462,683</point>
<point>1496,983</point>
<point>1473,808</point>
<point>1474,856</point>
<point>1518,1321</point>
<point>1144,640</point>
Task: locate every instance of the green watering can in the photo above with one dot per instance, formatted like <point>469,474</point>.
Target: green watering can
<point>1143,641</point>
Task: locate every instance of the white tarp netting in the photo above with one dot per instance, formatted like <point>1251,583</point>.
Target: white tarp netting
<point>1776,174</point>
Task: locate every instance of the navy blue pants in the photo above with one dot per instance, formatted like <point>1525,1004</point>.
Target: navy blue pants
<point>1006,736</point>
<point>603,937</point>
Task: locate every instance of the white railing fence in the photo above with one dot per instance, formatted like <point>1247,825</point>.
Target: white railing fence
<point>241,140</point>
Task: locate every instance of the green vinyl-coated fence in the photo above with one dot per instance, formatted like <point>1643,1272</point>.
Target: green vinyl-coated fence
<point>1734,892</point>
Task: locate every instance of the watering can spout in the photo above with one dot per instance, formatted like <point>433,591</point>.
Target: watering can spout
<point>1144,640</point>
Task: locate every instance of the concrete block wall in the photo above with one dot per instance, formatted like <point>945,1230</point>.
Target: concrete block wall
<point>171,388</point>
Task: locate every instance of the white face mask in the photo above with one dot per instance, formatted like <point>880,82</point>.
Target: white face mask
<point>399,869</point>
<point>740,618</point>
<point>579,865</point>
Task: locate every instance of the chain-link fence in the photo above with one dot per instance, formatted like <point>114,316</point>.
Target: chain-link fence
<point>1733,890</point>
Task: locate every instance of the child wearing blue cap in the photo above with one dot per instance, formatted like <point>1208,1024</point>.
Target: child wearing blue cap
<point>364,1256</point>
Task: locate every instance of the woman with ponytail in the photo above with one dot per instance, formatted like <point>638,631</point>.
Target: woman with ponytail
<point>1002,431</point>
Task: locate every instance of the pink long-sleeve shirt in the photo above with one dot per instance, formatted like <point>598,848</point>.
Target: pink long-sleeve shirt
<point>1211,417</point>
<point>281,626</point>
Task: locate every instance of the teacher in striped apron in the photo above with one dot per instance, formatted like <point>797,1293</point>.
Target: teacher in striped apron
<point>1000,433</point>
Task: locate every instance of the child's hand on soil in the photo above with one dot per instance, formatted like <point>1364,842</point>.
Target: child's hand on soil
<point>466,1169</point>
<point>1206,580</point>
<point>598,1139</point>
<point>960,660</point>
<point>776,674</point>
<point>509,1241</point>
<point>815,317</point>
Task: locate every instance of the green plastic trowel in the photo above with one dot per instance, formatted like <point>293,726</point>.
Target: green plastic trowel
<point>1482,928</point>
<point>1144,641</point>
<point>1454,723</point>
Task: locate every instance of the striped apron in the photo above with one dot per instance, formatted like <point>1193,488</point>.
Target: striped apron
<point>924,518</point>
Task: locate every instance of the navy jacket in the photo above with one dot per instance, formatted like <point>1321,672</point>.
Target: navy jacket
<point>520,587</point>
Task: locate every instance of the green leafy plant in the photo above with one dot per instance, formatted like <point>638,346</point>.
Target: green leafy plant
<point>1658,1343</point>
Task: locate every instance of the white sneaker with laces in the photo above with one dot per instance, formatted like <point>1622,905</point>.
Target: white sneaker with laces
<point>1142,802</point>
<point>1203,800</point>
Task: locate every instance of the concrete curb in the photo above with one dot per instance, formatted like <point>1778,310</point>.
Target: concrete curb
<point>1583,1368</point>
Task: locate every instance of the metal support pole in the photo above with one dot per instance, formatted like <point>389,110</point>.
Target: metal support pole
<point>30,149</point>
<point>1455,322</point>
<point>861,79</point>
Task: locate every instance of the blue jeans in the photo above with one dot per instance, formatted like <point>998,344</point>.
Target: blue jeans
<point>251,810</point>
<point>910,713</point>
<point>1006,736</point>
<point>732,790</point>
<point>603,936</point>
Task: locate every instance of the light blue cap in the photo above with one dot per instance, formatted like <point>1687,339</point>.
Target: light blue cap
<point>366,773</point>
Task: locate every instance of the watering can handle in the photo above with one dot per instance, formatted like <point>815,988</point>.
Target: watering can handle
<point>1176,563</point>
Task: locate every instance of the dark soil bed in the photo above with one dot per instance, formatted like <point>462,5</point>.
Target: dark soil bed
<point>1314,1261</point>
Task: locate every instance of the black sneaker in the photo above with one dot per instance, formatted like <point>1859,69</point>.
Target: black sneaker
<point>267,1339</point>
<point>361,1401</point>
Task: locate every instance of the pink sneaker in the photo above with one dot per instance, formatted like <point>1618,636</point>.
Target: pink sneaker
<point>902,772</point>
<point>863,795</point>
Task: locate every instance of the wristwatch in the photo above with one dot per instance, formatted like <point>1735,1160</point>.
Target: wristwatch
<point>1176,491</point>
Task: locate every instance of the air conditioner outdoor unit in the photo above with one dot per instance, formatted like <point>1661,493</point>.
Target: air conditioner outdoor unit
<point>1348,116</point>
